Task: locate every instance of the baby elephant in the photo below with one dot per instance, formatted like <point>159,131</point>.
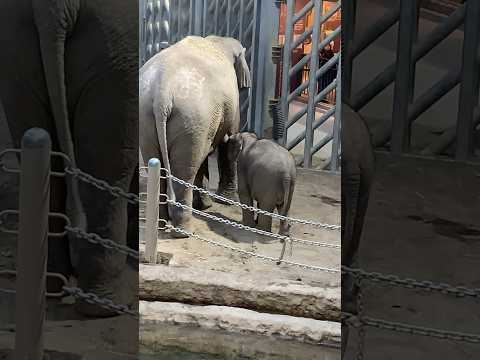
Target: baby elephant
<point>266,174</point>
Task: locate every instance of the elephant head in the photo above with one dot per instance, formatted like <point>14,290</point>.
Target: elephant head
<point>235,52</point>
<point>236,143</point>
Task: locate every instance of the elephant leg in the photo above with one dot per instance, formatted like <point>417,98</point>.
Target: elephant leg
<point>345,333</point>
<point>248,218</point>
<point>264,222</point>
<point>109,153</point>
<point>133,214</point>
<point>201,201</point>
<point>227,186</point>
<point>24,111</point>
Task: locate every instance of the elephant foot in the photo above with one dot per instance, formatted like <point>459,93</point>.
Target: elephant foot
<point>201,201</point>
<point>349,299</point>
<point>228,193</point>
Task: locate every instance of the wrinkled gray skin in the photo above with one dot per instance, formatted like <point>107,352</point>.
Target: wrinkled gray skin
<point>266,174</point>
<point>71,67</point>
<point>358,166</point>
<point>189,105</point>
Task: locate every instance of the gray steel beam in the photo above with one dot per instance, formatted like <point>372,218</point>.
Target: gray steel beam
<point>469,87</point>
<point>312,88</point>
<point>404,81</point>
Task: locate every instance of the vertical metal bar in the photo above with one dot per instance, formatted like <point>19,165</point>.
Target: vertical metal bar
<point>151,210</point>
<point>256,69</point>
<point>215,18</point>
<point>287,58</point>
<point>229,16</point>
<point>179,33</point>
<point>198,18</point>
<point>469,87</point>
<point>403,78</point>
<point>170,40</point>
<point>312,86</point>
<point>349,9</point>
<point>191,17</point>
<point>338,118</point>
<point>205,7</point>
<point>242,15</point>
<point>32,247</point>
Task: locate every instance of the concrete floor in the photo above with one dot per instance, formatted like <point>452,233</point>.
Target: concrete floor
<point>422,223</point>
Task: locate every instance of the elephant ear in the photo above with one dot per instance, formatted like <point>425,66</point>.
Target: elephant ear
<point>235,146</point>
<point>242,71</point>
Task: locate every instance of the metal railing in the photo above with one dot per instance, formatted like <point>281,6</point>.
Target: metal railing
<point>315,96</point>
<point>154,198</point>
<point>32,241</point>
<point>361,322</point>
<point>410,50</point>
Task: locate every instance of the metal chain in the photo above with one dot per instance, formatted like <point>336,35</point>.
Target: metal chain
<point>248,228</point>
<point>411,329</point>
<point>250,253</point>
<point>412,283</point>
<point>102,185</point>
<point>105,303</point>
<point>106,243</point>
<point>251,208</point>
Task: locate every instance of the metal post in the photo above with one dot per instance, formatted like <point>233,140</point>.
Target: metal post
<point>312,87</point>
<point>404,81</point>
<point>151,211</point>
<point>470,85</point>
<point>337,122</point>
<point>32,248</point>
<point>287,58</point>
<point>348,29</point>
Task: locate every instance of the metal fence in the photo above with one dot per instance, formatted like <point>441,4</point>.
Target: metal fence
<point>153,198</point>
<point>32,234</point>
<point>165,22</point>
<point>410,50</point>
<point>315,95</point>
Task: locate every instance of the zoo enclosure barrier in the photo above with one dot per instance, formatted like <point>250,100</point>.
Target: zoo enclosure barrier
<point>315,94</point>
<point>410,50</point>
<point>154,198</point>
<point>32,241</point>
<point>255,24</point>
<point>361,322</point>
<point>165,22</point>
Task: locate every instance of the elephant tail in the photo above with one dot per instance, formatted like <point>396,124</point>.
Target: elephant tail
<point>54,20</point>
<point>161,118</point>
<point>288,185</point>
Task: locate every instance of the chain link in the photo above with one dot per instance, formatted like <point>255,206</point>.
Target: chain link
<point>250,253</point>
<point>248,228</point>
<point>356,322</point>
<point>412,283</point>
<point>94,299</point>
<point>102,185</point>
<point>106,243</point>
<point>251,208</point>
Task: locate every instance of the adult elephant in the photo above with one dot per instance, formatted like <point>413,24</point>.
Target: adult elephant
<point>71,67</point>
<point>358,166</point>
<point>189,106</point>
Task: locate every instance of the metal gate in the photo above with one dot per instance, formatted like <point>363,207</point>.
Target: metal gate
<point>164,22</point>
<point>311,145</point>
<point>407,108</point>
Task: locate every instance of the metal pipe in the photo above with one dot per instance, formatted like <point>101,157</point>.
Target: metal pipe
<point>469,87</point>
<point>151,210</point>
<point>312,88</point>
<point>298,139</point>
<point>335,153</point>
<point>32,248</point>
<point>287,50</point>
<point>386,77</point>
<point>309,6</point>
<point>404,81</point>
